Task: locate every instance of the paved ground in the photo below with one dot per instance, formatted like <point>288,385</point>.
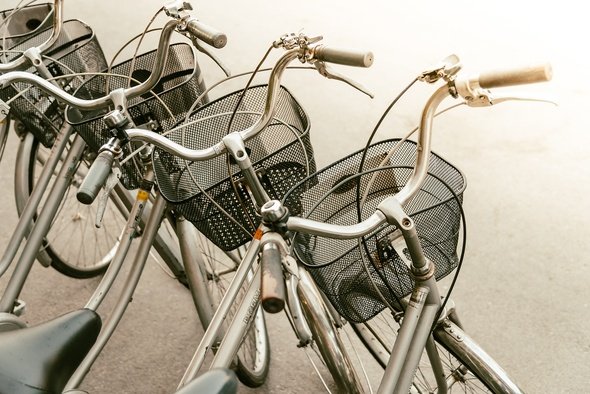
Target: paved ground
<point>523,291</point>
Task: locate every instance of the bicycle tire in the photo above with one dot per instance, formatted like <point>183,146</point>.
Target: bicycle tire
<point>65,247</point>
<point>466,364</point>
<point>254,354</point>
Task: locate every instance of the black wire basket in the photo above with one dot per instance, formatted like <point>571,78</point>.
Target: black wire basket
<point>282,155</point>
<point>18,25</point>
<point>339,194</point>
<point>76,51</point>
<point>158,110</point>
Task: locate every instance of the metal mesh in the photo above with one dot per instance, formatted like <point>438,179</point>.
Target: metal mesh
<point>76,50</point>
<point>282,155</point>
<point>23,25</point>
<point>331,196</point>
<point>178,88</point>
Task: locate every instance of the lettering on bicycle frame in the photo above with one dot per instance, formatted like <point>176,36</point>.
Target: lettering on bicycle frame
<point>252,307</point>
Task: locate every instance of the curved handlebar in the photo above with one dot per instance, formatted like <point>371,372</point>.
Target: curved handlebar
<point>129,93</point>
<point>274,82</point>
<point>497,79</point>
<point>520,76</point>
<point>57,25</point>
<point>49,88</point>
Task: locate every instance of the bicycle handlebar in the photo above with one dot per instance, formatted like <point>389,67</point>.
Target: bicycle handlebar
<point>504,78</point>
<point>490,79</point>
<point>352,58</point>
<point>87,194</point>
<point>129,93</point>
<point>57,25</point>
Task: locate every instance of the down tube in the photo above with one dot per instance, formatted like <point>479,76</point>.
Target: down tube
<point>220,315</point>
<point>238,328</point>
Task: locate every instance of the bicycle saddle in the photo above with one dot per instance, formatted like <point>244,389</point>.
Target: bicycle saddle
<point>217,381</point>
<point>42,358</point>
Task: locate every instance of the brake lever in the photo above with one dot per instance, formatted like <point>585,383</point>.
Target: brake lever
<point>327,72</point>
<point>105,192</point>
<point>485,98</point>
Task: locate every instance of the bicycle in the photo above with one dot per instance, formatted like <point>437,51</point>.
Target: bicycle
<point>422,312</point>
<point>195,27</point>
<point>65,178</point>
<point>252,370</point>
<point>55,52</point>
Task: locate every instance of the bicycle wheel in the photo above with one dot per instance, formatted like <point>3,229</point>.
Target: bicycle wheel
<point>467,367</point>
<point>73,245</point>
<point>254,354</point>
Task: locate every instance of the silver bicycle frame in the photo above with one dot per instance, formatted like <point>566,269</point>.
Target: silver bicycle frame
<point>42,224</point>
<point>30,209</point>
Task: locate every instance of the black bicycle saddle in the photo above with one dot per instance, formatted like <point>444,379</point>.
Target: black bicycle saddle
<point>42,358</point>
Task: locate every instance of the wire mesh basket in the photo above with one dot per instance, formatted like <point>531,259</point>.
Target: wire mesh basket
<point>157,110</point>
<point>21,24</point>
<point>340,195</point>
<point>76,51</point>
<point>282,155</point>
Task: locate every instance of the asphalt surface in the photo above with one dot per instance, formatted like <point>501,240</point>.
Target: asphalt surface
<point>523,292</point>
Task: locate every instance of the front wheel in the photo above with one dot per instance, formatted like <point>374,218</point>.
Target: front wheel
<point>467,367</point>
<point>73,245</point>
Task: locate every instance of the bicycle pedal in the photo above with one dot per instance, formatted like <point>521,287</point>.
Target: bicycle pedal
<point>19,307</point>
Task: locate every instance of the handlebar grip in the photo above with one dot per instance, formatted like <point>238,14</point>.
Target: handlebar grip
<point>345,57</point>
<point>96,177</point>
<point>272,287</point>
<point>521,76</point>
<point>206,33</point>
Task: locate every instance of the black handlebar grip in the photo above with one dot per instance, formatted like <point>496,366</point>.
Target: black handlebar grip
<point>345,57</point>
<point>96,177</point>
<point>272,287</point>
<point>206,33</point>
<point>519,76</point>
